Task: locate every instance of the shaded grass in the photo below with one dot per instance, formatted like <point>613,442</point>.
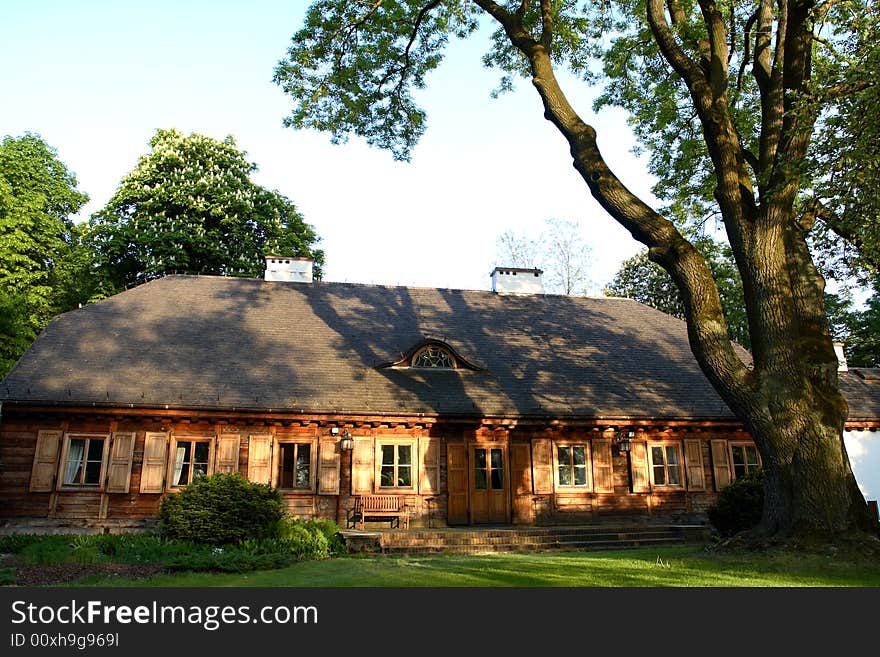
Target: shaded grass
<point>687,566</point>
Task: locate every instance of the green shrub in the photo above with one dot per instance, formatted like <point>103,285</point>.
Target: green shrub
<point>739,505</point>
<point>330,530</point>
<point>221,509</point>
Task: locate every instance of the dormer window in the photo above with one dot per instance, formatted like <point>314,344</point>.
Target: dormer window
<point>433,356</point>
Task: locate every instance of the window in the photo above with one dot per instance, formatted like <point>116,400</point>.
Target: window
<point>83,460</point>
<point>572,465</point>
<point>744,457</point>
<point>433,356</point>
<point>666,465</point>
<point>191,460</point>
<point>396,465</point>
<point>295,466</point>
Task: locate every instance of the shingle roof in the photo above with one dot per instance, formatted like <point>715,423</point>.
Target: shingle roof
<point>232,343</point>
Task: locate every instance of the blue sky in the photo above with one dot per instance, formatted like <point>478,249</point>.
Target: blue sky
<point>97,78</point>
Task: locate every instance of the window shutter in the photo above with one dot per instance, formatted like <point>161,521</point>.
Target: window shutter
<point>362,466</point>
<point>119,467</point>
<point>638,455</point>
<point>153,467</point>
<point>328,473</point>
<point>603,470</point>
<point>693,457</point>
<point>542,464</point>
<point>456,484</point>
<point>45,461</point>
<point>720,463</point>
<point>520,469</point>
<point>429,477</point>
<point>260,458</point>
<point>227,452</point>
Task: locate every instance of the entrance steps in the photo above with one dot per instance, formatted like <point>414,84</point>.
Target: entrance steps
<point>522,539</point>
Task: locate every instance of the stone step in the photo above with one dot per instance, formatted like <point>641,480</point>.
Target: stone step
<point>433,548</point>
<point>525,539</point>
<point>475,540</point>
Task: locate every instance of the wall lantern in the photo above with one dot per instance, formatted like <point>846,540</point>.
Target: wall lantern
<point>347,442</point>
<point>624,440</point>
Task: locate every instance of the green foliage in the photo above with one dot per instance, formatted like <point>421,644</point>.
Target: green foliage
<point>292,540</point>
<point>640,279</point>
<point>190,207</point>
<point>739,505</point>
<point>353,66</point>
<point>38,239</point>
<point>221,509</point>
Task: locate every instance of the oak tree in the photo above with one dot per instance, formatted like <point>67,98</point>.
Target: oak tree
<point>730,85</point>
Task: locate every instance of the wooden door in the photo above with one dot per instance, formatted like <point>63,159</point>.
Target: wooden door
<point>456,484</point>
<point>489,484</point>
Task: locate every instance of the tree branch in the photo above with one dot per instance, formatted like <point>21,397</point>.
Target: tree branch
<point>546,24</point>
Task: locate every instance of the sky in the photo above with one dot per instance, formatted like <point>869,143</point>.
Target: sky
<point>96,78</point>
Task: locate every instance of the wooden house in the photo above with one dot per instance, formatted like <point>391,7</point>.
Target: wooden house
<point>507,406</point>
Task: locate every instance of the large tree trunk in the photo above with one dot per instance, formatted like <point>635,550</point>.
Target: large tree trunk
<point>788,398</point>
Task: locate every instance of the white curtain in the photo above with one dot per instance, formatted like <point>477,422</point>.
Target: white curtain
<point>75,451</point>
<point>178,465</point>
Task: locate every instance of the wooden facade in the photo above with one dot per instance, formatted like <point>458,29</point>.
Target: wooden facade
<point>447,473</point>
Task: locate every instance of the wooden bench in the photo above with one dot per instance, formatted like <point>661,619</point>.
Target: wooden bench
<point>380,506</point>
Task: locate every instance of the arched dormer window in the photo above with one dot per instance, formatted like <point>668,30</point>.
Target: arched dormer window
<point>433,356</point>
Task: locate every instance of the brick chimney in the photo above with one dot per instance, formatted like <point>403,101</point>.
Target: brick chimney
<point>515,280</point>
<point>289,269</point>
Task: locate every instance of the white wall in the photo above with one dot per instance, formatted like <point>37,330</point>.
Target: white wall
<point>863,448</point>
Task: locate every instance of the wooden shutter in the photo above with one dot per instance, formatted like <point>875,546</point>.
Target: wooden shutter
<point>638,460</point>
<point>603,470</point>
<point>119,467</point>
<point>720,463</point>
<point>542,466</point>
<point>260,458</point>
<point>429,476</point>
<point>456,484</point>
<point>693,458</point>
<point>45,461</point>
<point>227,452</point>
<point>362,466</point>
<point>153,467</point>
<point>328,471</point>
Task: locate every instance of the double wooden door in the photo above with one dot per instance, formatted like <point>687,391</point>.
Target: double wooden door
<point>479,483</point>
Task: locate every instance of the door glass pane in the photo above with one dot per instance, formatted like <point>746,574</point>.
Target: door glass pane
<point>497,469</point>
<point>480,478</point>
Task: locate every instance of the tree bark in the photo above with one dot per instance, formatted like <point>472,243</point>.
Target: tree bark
<point>788,398</point>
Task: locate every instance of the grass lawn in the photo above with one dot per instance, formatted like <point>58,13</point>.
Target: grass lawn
<point>651,567</point>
